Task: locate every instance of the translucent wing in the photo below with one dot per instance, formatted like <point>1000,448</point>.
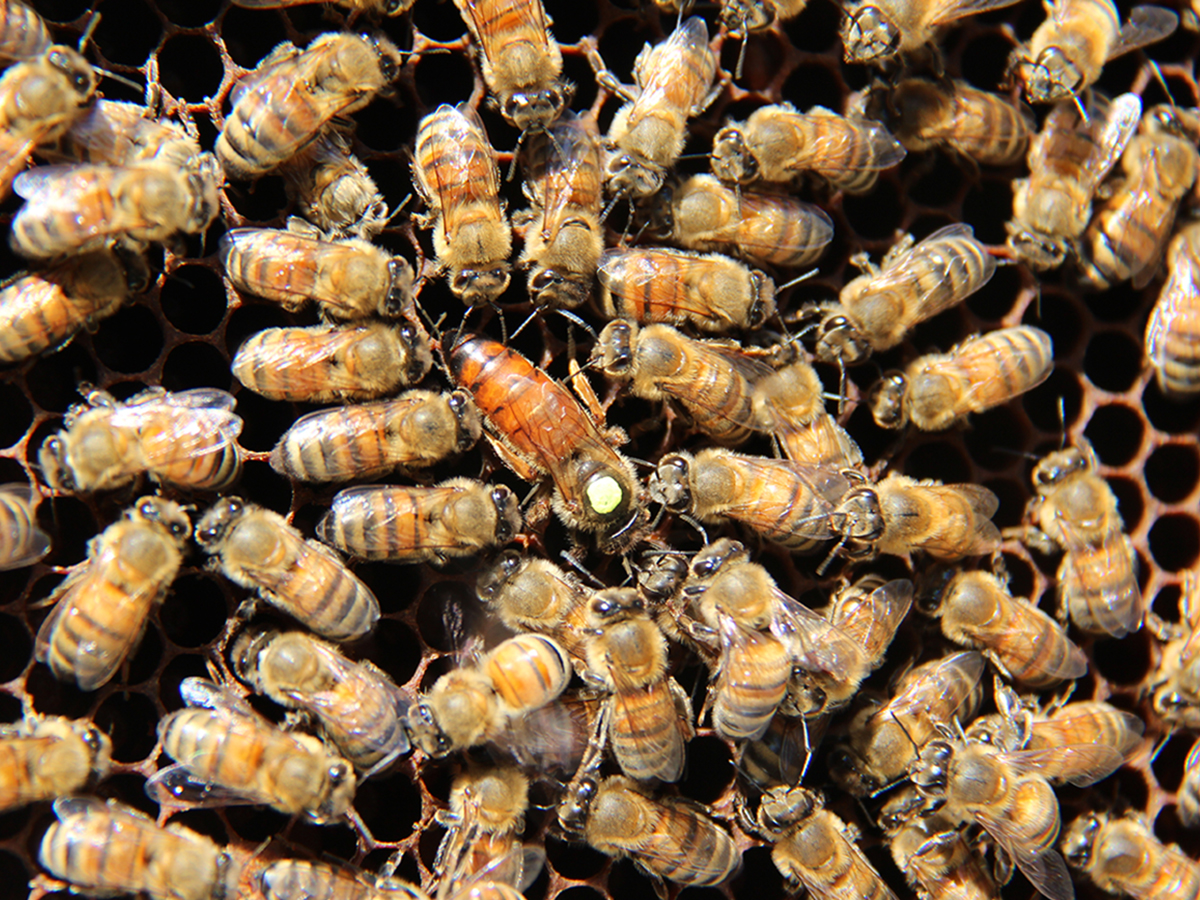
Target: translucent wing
<point>902,273</point>
<point>1111,134</point>
<point>826,485</point>
<point>346,502</point>
<point>1045,869</point>
<point>871,620</point>
<point>984,504</point>
<point>169,434</point>
<point>846,140</point>
<point>29,544</point>
<point>56,185</point>
<point>77,806</point>
<point>958,674</point>
<point>175,786</point>
<point>1078,764</point>
<point>197,398</point>
<point>759,235</point>
<point>1146,25</point>
<point>200,692</point>
<point>572,146</point>
<point>948,11</point>
<point>552,738</point>
<point>688,41</point>
<point>1179,301</point>
<point>816,644</point>
<point>1087,575</point>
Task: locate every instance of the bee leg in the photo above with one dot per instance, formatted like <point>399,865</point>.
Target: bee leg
<point>660,886</point>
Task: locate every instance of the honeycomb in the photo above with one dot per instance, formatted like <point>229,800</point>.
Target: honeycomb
<point>182,332</point>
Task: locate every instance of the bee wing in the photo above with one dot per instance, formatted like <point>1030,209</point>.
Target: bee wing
<point>201,692</point>
<point>1084,568</point>
<point>176,787</point>
<point>799,745</point>
<point>949,11</point>
<point>56,184</point>
<point>969,663</point>
<point>688,41</point>
<point>1146,25</point>
<point>571,146</point>
<point>826,482</point>
<point>36,541</point>
<point>885,609</point>
<point>553,737</point>
<point>1078,764</point>
<point>899,275</point>
<point>197,431</point>
<point>1180,296</point>
<point>816,644</point>
<point>75,806</point>
<point>1045,868</point>
<point>846,143</point>
<point>1110,134</point>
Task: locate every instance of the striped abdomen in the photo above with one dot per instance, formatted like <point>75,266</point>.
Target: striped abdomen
<point>752,683</point>
<point>774,229</point>
<point>37,313</point>
<point>986,127</point>
<point>945,271</point>
<point>310,583</point>
<point>1173,332</point>
<point>22,542</point>
<point>23,34</point>
<point>528,671</point>
<point>1100,585</point>
<point>192,448</point>
<point>684,847</point>
<point>816,853</point>
<point>297,879</point>
<point>455,167</point>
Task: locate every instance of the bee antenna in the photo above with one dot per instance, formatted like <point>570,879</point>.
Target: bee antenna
<point>799,278</point>
<point>571,317</point>
<point>642,462</point>
<point>604,213</point>
<point>696,524</point>
<point>1158,76</point>
<point>1082,112</point>
<point>533,315</point>
<point>579,567</point>
<point>88,32</point>
<point>737,70</point>
<point>1062,422</point>
<point>832,555</point>
<point>120,79</point>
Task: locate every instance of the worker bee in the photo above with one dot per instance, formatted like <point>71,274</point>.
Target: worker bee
<point>914,283</point>
<point>104,849</point>
<point>1077,511</point>
<point>876,31</point>
<point>302,879</point>
<point>814,848</point>
<point>979,125</point>
<point>789,404</point>
<point>976,610</point>
<point>39,98</point>
<point>22,541</point>
<point>48,757</point>
<point>454,169</point>
<point>647,719</point>
<point>763,229</point>
<point>350,279</point>
<point>188,439</point>
<point>668,838</point>
<point>1122,856</point>
<point>1006,794</point>
<point>257,549</point>
<point>533,594</point>
<point>1068,160</point>
<point>537,426</point>
<point>673,82</point>
<point>790,503</point>
<point>115,133</point>
<point>103,606</point>
<point>778,144</point>
<point>376,7</point>
<point>1069,49</point>
<point>334,190</point>
<point>1129,231</point>
<point>712,292</point>
<point>939,389</point>
<point>23,34</point>
<point>416,430</point>
<point>456,518</point>
<point>475,703</point>
<point>324,363</point>
<point>932,853</point>
<point>563,237</point>
<point>1176,682</point>
<point>742,16</point>
<point>885,739</point>
<point>1173,332</point>
<point>283,105</point>
<point>74,209</point>
<point>520,59</point>
<point>226,753</point>
<point>358,707</point>
<point>865,616</point>
<point>484,822</point>
<point>46,309</point>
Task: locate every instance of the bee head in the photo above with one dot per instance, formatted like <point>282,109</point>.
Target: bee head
<point>508,514</point>
<point>215,524</point>
<point>887,401</point>
<point>732,160</point>
<point>529,110</point>
<point>494,578</point>
<point>1052,76</point>
<point>1079,840</point>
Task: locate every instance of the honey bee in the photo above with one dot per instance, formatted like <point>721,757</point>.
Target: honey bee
<point>563,236</point>
<point>286,101</point>
<point>325,363</point>
<point>484,822</point>
<point>105,849</point>
<point>48,757</point>
<point>115,133</point>
<point>334,190</point>
<point>789,404</point>
<point>1128,233</point>
<point>939,389</point>
<point>350,279</point>
<point>1173,332</point>
<point>885,739</point>
<point>1189,791</point>
<point>46,309</point>
<point>75,209</point>
<point>416,430</point>
<point>1122,856</point>
<point>369,7</point>
<point>257,549</point>
<point>301,879</point>
<point>456,518</point>
<point>876,31</point>
<point>187,439</point>
<point>647,719</point>
<point>359,709</point>
<point>23,34</point>
<point>668,838</point>
<point>1077,511</point>
<point>814,848</point>
<point>790,503</point>
<point>673,83</point>
<point>1068,160</point>
<point>933,855</point>
<point>742,16</point>
<point>865,615</point>
<point>103,606</point>
<point>537,426</point>
<point>226,753</point>
<point>39,99</point>
<point>474,704</point>
<point>1069,49</point>
<point>763,229</point>
<point>712,292</point>
<point>520,59</point>
<point>778,144</point>
<point>1176,683</point>
<point>979,125</point>
<point>533,594</point>
<point>1022,642</point>
<point>914,283</point>
<point>454,169</point>
<point>22,541</point>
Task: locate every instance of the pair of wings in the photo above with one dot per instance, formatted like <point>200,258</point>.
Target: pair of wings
<point>685,51</point>
<point>460,149</point>
<point>572,147</point>
<point>1178,304</point>
<point>71,191</point>
<point>843,142</point>
<point>201,420</point>
<point>1109,128</point>
<point>1146,24</point>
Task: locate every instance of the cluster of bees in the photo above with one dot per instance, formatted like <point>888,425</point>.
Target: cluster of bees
<point>583,691</point>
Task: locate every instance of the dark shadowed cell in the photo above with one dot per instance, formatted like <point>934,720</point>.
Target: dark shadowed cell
<point>1113,360</point>
<point>1174,541</point>
<point>1115,432</point>
<point>193,299</point>
<point>194,612</point>
<point>1171,472</point>
<point>190,67</point>
<point>130,341</point>
<point>194,365</point>
<point>123,716</point>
